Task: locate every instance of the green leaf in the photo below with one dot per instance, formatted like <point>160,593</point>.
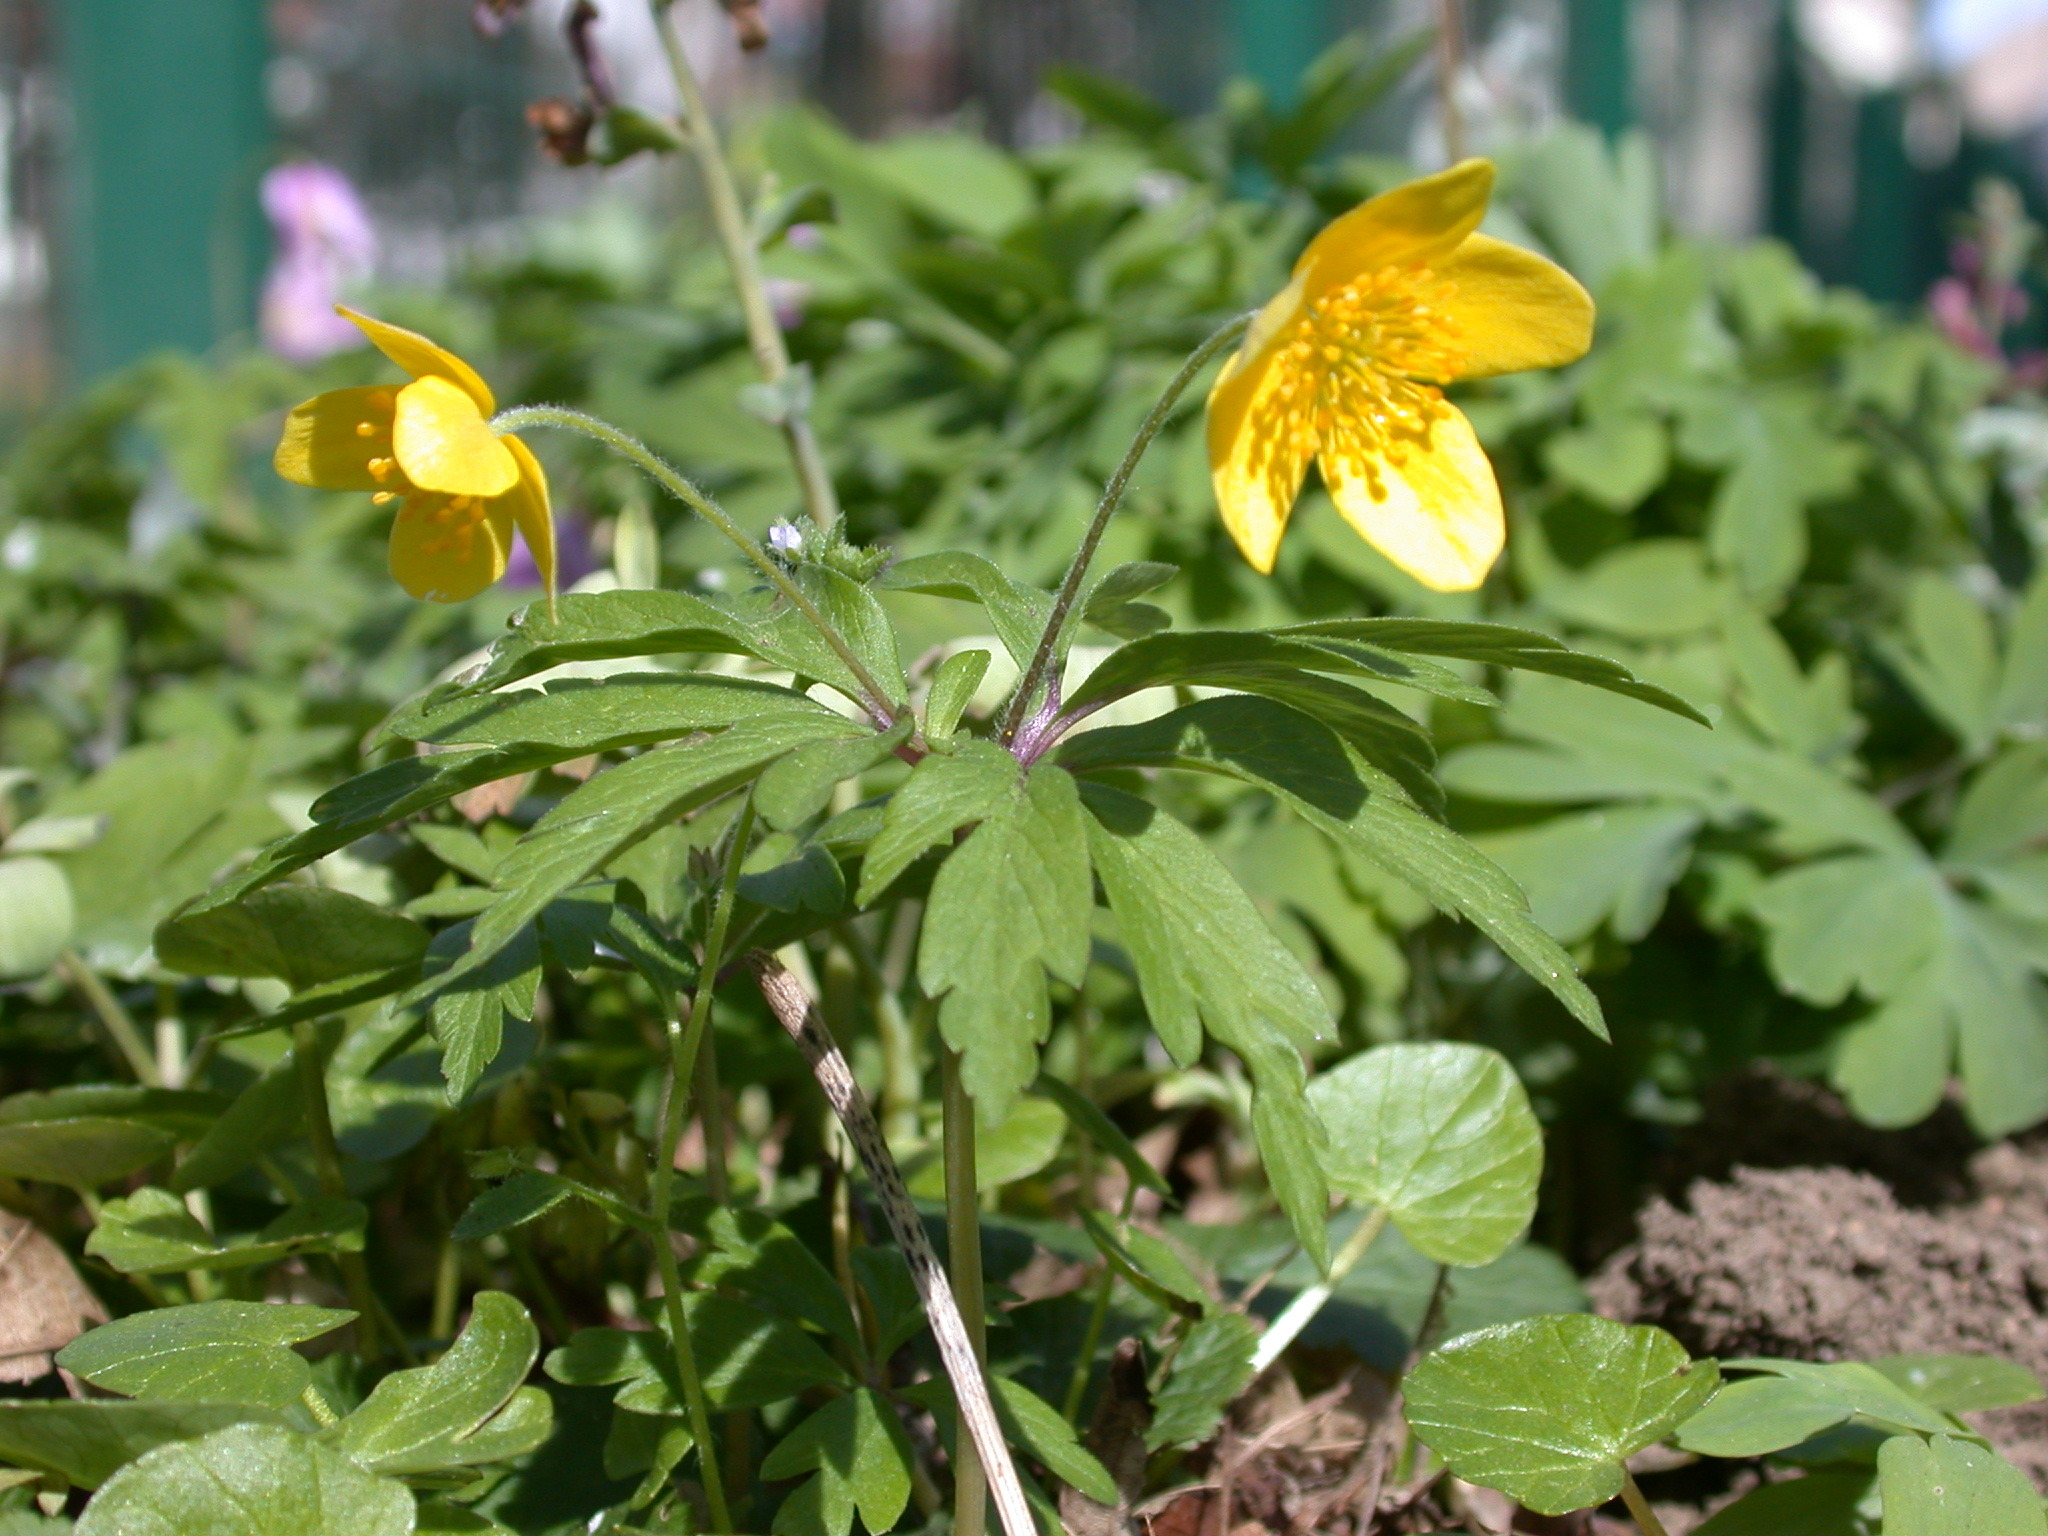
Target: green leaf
<point>943,794</point>
<point>209,1352</point>
<point>468,1408</point>
<point>581,715</point>
<point>1031,1420</point>
<point>1858,1388</point>
<point>467,1016</point>
<point>1087,1118</point>
<point>1547,1410</point>
<point>799,786</point>
<point>1234,658</point>
<point>85,1443</point>
<point>1309,767</point>
<point>1961,1383</point>
<point>1009,905</point>
<point>265,1115</point>
<point>1819,1504</point>
<point>1861,922</point>
<point>1944,1486</point>
<point>305,935</point>
<point>746,1357</point>
<point>86,1137</point>
<point>250,1480</point>
<point>524,1197</point>
<point>641,1443</point>
<point>1948,656</point>
<point>1762,1414</point>
<point>952,690</point>
<point>750,1253</point>
<point>1159,1273</point>
<point>152,1233</point>
<point>37,916</point>
<point>1213,1366</point>
<point>1205,956</point>
<point>1442,1137</point>
<point>1016,612</point>
<point>853,610</point>
<point>1614,865</point>
<point>863,1461</point>
<point>1617,459</point>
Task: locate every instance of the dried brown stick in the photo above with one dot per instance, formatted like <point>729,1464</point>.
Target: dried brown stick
<point>798,1015</point>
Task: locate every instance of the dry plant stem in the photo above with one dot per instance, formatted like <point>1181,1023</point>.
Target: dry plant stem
<point>355,1274</point>
<point>1035,675</point>
<point>798,1014</point>
<point>1639,1507</point>
<point>684,1038</point>
<point>678,485</point>
<point>764,336</point>
<point>1286,1328</point>
<point>963,1241</point>
<point>119,1026</point>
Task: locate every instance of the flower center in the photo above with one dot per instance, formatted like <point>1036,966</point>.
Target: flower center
<point>1362,365</point>
<point>455,520</point>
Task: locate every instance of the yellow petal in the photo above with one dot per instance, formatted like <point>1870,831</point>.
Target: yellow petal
<point>1259,448</point>
<point>443,443</point>
<point>1513,309</point>
<point>1439,517</point>
<point>447,560</point>
<point>324,444</point>
<point>527,503</point>
<point>421,358</point>
<point>1414,224</point>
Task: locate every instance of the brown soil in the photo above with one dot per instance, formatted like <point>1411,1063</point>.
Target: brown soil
<point>1828,1264</point>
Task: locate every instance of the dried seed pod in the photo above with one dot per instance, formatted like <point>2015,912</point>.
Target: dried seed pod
<point>748,24</point>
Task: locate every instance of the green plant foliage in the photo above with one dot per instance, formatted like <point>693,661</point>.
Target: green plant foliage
<point>862,1461</point>
<point>209,1352</point>
<point>1213,1366</point>
<point>1442,1137</point>
<point>251,1480</point>
<point>1549,1409</point>
<point>152,1232</point>
<point>85,1443</point>
<point>1949,1485</point>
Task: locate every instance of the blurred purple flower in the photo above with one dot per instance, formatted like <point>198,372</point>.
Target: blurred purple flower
<point>324,243</point>
<point>574,557</point>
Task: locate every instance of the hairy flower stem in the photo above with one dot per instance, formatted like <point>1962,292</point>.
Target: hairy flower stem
<point>963,1255</point>
<point>684,1038</point>
<point>355,1274</point>
<point>743,257</point>
<point>1639,1507</point>
<point>1286,1328</point>
<point>1035,675</point>
<point>678,485</point>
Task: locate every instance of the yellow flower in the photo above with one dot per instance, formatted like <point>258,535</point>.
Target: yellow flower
<point>1394,299</point>
<point>427,445</point>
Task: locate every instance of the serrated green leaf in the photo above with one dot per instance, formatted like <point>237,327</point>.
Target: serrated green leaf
<point>1944,1486</point>
<point>468,1408</point>
<point>1016,612</point>
<point>251,1480</point>
<point>750,1253</point>
<point>526,1196</point>
<point>305,935</point>
<point>797,787</point>
<point>85,1443</point>
<point>467,1016</point>
<point>942,795</point>
<point>208,1352</point>
<point>1213,1366</point>
<point>1205,956</point>
<point>1442,1137</point>
<point>1009,907</point>
<point>747,1359</point>
<point>152,1233</point>
<point>585,714</point>
<point>1547,1410</point>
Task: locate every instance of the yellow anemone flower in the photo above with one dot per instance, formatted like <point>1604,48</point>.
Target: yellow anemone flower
<point>428,445</point>
<point>1391,301</point>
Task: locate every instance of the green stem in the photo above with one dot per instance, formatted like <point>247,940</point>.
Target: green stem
<point>743,256</point>
<point>900,1085</point>
<point>678,485</point>
<point>119,1026</point>
<point>963,1239</point>
<point>1639,1506</point>
<point>1112,496</point>
<point>684,1038</point>
<point>355,1274</point>
<point>1286,1328</point>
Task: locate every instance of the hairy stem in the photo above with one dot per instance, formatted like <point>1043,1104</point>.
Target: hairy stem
<point>963,1243</point>
<point>1639,1507</point>
<point>678,485</point>
<point>742,256</point>
<point>113,1017</point>
<point>1286,1328</point>
<point>355,1274</point>
<point>1112,496</point>
<point>683,1041</point>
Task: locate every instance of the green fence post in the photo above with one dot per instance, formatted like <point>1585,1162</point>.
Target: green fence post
<point>1598,79</point>
<point>163,236</point>
<point>1273,41</point>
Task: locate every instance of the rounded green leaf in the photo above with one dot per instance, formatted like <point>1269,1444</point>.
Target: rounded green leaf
<point>251,1480</point>
<point>1442,1136</point>
<point>36,916</point>
<point>1547,1410</point>
<point>1948,1487</point>
<point>209,1352</point>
